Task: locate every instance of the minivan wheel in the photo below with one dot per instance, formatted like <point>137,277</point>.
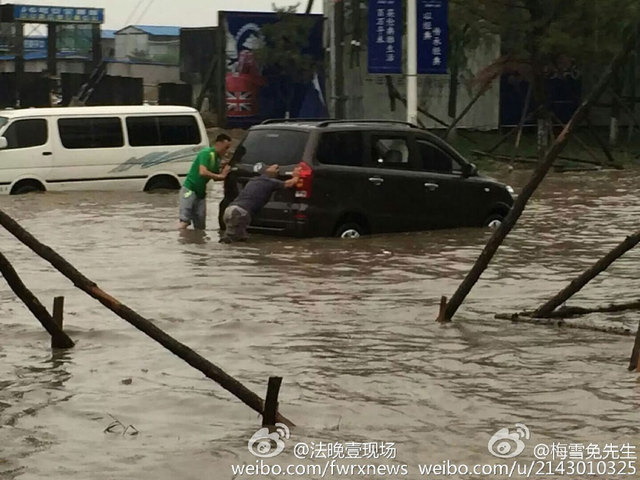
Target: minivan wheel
<point>163,182</point>
<point>349,230</point>
<point>494,221</point>
<point>26,187</point>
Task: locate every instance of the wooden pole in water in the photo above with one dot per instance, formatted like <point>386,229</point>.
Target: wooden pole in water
<point>634,364</point>
<point>598,267</point>
<point>177,348</point>
<point>57,316</point>
<point>538,175</point>
<point>58,337</point>
<point>271,402</point>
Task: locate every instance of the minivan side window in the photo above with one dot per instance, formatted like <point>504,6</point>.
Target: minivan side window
<point>26,133</point>
<point>91,132</point>
<point>340,148</point>
<point>163,130</point>
<point>388,151</point>
<point>434,159</point>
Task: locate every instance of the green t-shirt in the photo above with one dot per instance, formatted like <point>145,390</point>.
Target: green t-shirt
<point>196,182</point>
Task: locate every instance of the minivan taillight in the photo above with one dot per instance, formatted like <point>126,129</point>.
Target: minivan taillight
<point>303,188</point>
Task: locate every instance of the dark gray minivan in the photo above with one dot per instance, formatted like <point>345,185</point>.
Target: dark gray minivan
<point>363,177</point>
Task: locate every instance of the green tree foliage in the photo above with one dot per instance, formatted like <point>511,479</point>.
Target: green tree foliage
<point>538,32</point>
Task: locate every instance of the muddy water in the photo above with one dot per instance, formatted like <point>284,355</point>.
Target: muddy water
<point>348,324</point>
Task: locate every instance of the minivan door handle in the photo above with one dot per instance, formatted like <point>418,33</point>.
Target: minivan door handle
<point>46,153</point>
<point>376,180</point>
<point>431,186</point>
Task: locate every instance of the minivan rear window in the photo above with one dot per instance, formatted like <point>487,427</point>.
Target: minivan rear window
<point>284,147</point>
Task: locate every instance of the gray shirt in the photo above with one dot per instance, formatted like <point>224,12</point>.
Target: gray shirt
<point>256,193</point>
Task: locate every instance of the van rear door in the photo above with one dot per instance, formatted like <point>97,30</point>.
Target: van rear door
<point>263,147</point>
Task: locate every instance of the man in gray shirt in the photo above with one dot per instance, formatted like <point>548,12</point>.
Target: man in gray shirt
<point>251,199</point>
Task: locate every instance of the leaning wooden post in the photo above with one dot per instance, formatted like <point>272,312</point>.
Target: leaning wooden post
<point>538,175</point>
<point>60,338</point>
<point>271,402</point>
<point>577,284</point>
<point>58,316</point>
<point>633,363</point>
<point>177,348</point>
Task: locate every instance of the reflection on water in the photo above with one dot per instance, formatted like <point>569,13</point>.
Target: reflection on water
<point>348,324</point>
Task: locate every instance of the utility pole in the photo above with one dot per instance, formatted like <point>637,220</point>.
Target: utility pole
<point>412,62</point>
<point>338,37</point>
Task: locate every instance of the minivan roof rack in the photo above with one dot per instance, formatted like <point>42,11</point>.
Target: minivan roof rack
<point>292,120</point>
<point>355,120</point>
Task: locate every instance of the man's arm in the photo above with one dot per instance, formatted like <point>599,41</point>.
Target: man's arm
<point>205,172</point>
<point>295,177</point>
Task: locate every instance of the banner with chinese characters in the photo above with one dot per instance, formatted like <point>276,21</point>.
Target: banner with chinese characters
<point>37,13</point>
<point>433,36</point>
<point>385,36</point>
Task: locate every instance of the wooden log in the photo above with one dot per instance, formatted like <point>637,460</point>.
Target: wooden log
<point>602,145</point>
<point>523,116</point>
<point>568,312</point>
<point>555,322</point>
<point>635,353</point>
<point>177,348</point>
<point>538,175</point>
<point>60,338</point>
<point>598,267</point>
<point>443,307</point>
<point>271,402</point>
<point>58,316</point>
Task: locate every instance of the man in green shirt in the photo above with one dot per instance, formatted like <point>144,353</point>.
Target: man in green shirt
<point>206,166</point>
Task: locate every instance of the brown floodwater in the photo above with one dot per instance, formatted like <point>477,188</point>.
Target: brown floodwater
<point>348,324</point>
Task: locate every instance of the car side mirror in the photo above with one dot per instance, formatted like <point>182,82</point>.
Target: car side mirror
<point>469,170</point>
<point>3,143</point>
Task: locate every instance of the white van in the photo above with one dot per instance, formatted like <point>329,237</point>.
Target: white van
<point>138,147</point>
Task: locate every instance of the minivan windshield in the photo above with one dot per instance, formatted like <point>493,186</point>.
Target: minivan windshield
<point>3,121</point>
<point>284,147</point>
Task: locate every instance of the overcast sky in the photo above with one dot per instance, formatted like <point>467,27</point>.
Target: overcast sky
<point>180,13</point>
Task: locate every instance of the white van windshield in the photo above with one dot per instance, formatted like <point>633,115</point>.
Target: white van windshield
<point>3,121</point>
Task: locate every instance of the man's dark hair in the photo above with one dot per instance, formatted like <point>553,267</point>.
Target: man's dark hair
<point>223,137</point>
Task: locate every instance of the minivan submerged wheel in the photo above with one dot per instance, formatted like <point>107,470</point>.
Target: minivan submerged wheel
<point>494,220</point>
<point>349,230</point>
<point>27,186</point>
<point>163,182</point>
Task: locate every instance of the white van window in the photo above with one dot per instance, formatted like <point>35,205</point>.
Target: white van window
<point>91,132</point>
<point>26,133</point>
<point>163,130</point>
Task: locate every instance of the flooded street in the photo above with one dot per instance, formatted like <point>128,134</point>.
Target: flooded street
<point>349,325</point>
